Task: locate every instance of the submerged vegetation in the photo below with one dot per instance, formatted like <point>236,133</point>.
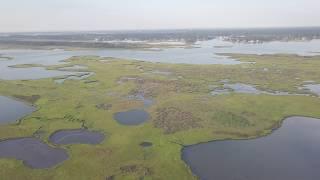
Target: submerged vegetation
<point>183,112</point>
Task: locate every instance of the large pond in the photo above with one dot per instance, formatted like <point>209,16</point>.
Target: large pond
<point>12,110</point>
<point>33,152</point>
<point>132,117</point>
<point>291,152</point>
<point>205,53</point>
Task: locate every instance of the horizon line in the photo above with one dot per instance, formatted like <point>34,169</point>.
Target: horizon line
<point>158,29</point>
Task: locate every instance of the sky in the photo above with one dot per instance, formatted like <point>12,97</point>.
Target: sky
<point>83,15</point>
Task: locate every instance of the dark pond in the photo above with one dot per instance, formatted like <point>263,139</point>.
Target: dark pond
<point>146,144</point>
<point>77,136</point>
<point>132,117</point>
<point>34,153</point>
<point>12,110</point>
<point>291,152</point>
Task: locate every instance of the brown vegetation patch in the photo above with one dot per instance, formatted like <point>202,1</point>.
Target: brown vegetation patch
<point>72,118</point>
<point>172,119</point>
<point>126,104</point>
<point>101,152</point>
<point>154,87</point>
<point>104,106</point>
<point>230,119</point>
<point>127,79</point>
<point>136,169</point>
<point>111,177</point>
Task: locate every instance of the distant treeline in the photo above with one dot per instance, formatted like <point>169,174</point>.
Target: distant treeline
<point>101,39</point>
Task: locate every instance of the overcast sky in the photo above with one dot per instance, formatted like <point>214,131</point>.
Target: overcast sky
<point>68,15</point>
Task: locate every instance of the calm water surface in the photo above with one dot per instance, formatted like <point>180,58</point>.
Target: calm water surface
<point>206,53</point>
<point>308,48</point>
<point>33,152</point>
<point>12,110</point>
<point>132,117</point>
<point>289,153</point>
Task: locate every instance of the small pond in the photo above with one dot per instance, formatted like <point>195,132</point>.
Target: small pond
<point>76,136</point>
<point>314,88</point>
<point>132,117</point>
<point>147,102</point>
<point>146,144</point>
<point>34,153</point>
<point>243,88</point>
<point>291,152</point>
<point>12,110</point>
